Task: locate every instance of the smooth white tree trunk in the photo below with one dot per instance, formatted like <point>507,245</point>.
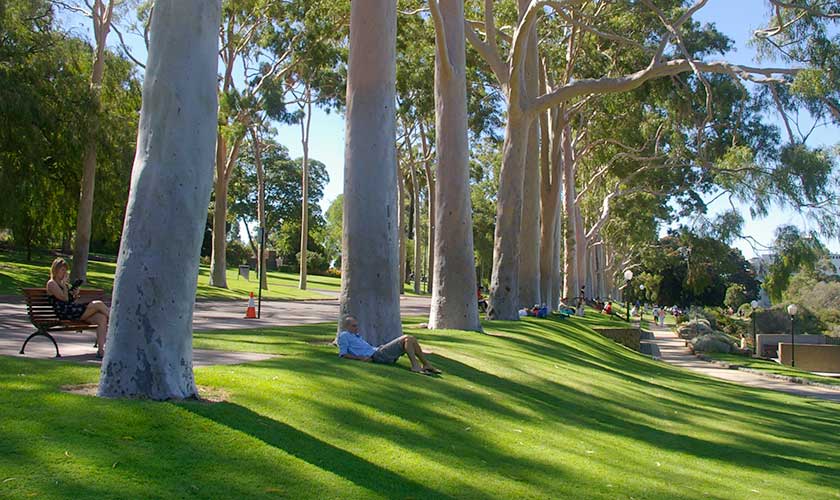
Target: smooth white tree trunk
<point>454,303</point>
<point>370,259</point>
<point>431,196</point>
<point>401,230</point>
<point>570,272</point>
<point>529,235</point>
<point>218,264</point>
<point>415,202</point>
<point>262,258</point>
<point>304,214</point>
<point>149,348</point>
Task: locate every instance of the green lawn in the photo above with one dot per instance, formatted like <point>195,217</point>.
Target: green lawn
<point>771,367</point>
<point>534,409</point>
<point>16,273</point>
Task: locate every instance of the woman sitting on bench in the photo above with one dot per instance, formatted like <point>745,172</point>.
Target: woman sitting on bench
<point>62,299</point>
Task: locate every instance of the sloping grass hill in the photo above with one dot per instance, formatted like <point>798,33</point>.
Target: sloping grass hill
<point>530,409</point>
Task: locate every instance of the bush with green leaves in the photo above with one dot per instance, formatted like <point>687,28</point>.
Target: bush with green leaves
<point>237,253</point>
<point>713,342</point>
<point>736,295</point>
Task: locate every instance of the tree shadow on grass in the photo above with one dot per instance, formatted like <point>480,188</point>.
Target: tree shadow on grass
<point>313,450</point>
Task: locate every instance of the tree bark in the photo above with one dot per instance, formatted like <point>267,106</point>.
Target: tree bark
<point>263,255</point>
<point>454,304</point>
<point>370,257</point>
<point>431,196</point>
<point>415,196</point>
<point>556,268</point>
<point>529,234</point>
<point>504,281</point>
<point>304,217</point>
<point>401,225</point>
<point>218,265</point>
<point>570,274</point>
<point>84,218</point>
<point>149,350</point>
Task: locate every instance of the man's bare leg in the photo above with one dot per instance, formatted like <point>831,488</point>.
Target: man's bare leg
<point>412,354</point>
<point>413,347</point>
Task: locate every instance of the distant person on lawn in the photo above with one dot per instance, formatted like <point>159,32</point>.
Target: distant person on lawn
<point>64,304</point>
<point>352,346</point>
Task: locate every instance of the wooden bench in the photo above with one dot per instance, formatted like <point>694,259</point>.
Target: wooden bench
<point>43,317</point>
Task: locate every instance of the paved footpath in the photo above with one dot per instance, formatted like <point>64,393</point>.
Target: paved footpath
<point>208,315</point>
<point>675,352</point>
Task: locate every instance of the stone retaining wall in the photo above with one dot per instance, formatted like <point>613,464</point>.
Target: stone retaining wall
<point>629,337</point>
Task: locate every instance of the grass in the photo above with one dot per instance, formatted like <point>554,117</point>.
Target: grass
<point>532,409</point>
<point>772,367</point>
<point>17,273</point>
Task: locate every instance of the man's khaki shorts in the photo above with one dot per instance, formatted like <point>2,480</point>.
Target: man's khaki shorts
<point>389,353</point>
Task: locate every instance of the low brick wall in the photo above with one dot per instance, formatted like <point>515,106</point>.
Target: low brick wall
<point>767,343</point>
<point>630,337</point>
<point>812,358</point>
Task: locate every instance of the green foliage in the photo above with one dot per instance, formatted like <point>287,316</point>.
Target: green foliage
<point>237,253</point>
<point>736,296</point>
<point>47,109</point>
<point>686,268</point>
<point>795,252</point>
<point>283,195</point>
<point>332,229</point>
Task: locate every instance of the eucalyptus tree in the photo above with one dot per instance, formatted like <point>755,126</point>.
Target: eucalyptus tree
<point>101,14</point>
<point>257,30</point>
<point>661,30</point>
<point>150,331</point>
<point>369,260</point>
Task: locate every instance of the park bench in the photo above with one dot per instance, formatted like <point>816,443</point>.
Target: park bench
<point>43,317</point>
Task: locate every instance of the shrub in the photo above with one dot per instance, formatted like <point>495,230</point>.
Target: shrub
<point>713,342</point>
<point>237,253</point>
<point>736,295</point>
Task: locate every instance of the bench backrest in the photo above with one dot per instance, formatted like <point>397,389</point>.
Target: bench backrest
<point>40,310</point>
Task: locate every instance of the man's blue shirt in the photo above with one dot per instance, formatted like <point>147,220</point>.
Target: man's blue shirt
<point>352,343</point>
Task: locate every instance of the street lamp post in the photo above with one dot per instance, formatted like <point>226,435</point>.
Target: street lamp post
<point>754,306</point>
<point>641,304</point>
<point>792,310</point>
<point>628,275</point>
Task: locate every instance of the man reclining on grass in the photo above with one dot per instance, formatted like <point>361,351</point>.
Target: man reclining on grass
<point>352,346</point>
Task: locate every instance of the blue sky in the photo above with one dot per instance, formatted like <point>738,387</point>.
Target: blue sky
<point>738,19</point>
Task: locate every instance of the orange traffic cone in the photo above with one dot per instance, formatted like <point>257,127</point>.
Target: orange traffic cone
<point>251,312</point>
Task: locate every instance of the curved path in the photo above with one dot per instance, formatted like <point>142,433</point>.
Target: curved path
<point>674,351</point>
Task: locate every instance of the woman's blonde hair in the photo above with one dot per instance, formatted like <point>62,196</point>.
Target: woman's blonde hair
<point>57,263</point>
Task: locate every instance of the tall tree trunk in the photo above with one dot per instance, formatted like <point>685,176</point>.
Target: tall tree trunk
<point>570,273</point>
<point>401,225</point>
<point>262,270</point>
<point>556,268</point>
<point>304,217</point>
<point>504,280</point>
<point>431,196</point>
<point>370,241</point>
<point>218,265</point>
<point>415,193</point>
<point>84,218</point>
<point>580,250</point>
<point>454,303</point>
<point>529,234</point>
<point>149,350</point>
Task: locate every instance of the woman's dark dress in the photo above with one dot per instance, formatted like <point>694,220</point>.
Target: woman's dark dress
<point>67,310</point>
